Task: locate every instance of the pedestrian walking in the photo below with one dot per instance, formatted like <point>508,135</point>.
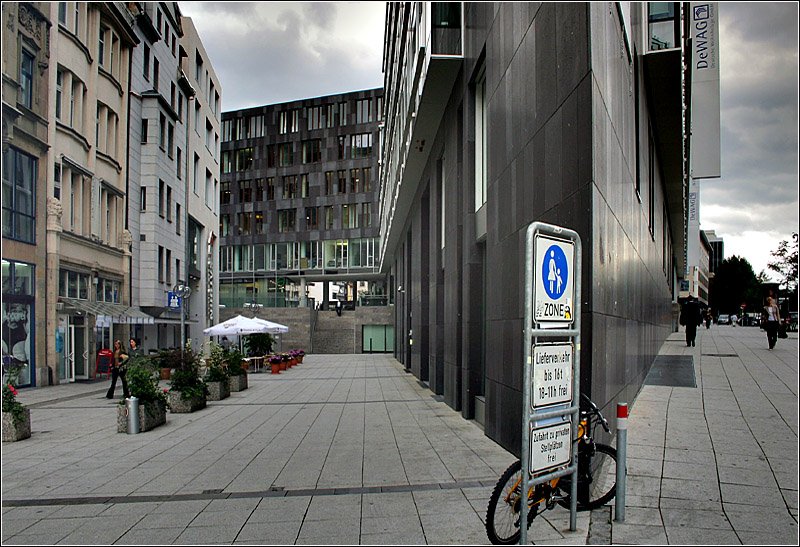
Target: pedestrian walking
<point>772,319</point>
<point>118,366</point>
<point>135,349</point>
<point>691,316</point>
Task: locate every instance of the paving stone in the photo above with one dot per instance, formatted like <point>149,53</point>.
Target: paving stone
<point>701,536</point>
<point>638,534</point>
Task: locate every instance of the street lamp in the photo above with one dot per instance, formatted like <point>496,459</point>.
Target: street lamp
<point>182,291</point>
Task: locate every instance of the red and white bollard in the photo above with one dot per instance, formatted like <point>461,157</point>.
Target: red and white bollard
<point>622,454</point>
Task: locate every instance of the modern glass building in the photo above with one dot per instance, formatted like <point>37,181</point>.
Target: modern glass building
<point>298,212</point>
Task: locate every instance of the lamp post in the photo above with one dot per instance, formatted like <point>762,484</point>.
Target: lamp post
<point>182,291</point>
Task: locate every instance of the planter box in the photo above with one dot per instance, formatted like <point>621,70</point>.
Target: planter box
<point>177,405</point>
<point>151,415</point>
<point>218,390</point>
<point>13,431</point>
<point>238,383</point>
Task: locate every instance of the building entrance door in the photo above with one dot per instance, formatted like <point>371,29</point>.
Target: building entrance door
<point>73,354</point>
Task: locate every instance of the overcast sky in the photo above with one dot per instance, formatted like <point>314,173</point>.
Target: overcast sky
<point>271,52</point>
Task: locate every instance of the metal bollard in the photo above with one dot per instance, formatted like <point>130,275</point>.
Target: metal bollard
<point>622,453</point>
<point>132,410</point>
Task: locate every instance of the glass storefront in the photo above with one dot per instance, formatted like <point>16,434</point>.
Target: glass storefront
<point>18,320</point>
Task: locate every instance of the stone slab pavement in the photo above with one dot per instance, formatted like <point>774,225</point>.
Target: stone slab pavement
<point>350,449</point>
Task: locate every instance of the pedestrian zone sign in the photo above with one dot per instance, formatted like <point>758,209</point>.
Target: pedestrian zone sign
<point>173,301</point>
<point>554,274</point>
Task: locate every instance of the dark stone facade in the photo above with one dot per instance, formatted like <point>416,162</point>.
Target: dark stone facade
<point>561,149</point>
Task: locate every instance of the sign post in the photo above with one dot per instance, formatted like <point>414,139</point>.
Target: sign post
<point>551,389</point>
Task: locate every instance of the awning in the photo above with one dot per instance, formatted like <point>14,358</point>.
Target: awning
<point>108,313</point>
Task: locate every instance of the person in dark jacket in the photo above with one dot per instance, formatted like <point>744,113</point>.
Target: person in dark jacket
<point>691,316</point>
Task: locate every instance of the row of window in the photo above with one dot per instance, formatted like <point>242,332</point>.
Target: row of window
<point>283,154</point>
<point>299,255</point>
<point>73,284</point>
<point>297,186</point>
<point>165,266</point>
<point>351,215</point>
<point>316,117</point>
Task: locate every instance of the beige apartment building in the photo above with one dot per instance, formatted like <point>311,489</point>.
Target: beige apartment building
<point>27,66</point>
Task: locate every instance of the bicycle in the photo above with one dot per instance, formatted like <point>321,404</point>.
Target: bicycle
<point>597,468</point>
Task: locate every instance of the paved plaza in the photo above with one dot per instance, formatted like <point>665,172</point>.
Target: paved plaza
<point>351,449</point>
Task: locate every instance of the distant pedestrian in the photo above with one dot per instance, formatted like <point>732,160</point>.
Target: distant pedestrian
<point>118,366</point>
<point>772,319</point>
<point>691,316</point>
<point>708,319</point>
<point>135,349</point>
<point>734,319</point>
<point>339,308</point>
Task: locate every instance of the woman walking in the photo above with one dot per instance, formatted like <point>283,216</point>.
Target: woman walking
<point>773,318</point>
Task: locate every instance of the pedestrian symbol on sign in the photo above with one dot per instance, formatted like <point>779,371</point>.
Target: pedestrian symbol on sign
<point>555,272</point>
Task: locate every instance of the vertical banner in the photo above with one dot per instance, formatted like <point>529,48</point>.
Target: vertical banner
<point>705,123</point>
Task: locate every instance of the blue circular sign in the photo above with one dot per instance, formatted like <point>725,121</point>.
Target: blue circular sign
<point>555,272</point>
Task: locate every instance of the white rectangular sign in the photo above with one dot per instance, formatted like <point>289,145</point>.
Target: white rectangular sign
<point>554,281</point>
<point>705,111</point>
<point>551,446</point>
<point>552,374</point>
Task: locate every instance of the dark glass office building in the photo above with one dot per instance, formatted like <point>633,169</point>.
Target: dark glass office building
<point>298,194</point>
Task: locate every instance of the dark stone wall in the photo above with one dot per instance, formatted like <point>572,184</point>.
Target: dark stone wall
<point>551,137</point>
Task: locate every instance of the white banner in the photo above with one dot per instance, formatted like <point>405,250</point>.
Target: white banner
<point>705,141</point>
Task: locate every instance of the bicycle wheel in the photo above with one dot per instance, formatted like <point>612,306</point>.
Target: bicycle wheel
<point>597,477</point>
<point>505,506</point>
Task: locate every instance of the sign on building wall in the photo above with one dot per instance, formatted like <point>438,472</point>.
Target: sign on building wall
<point>705,162</point>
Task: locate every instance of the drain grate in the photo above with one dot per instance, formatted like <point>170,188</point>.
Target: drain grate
<point>672,370</point>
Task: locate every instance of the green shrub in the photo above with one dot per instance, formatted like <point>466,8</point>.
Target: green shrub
<point>259,344</point>
<point>142,382</point>
<point>233,357</point>
<point>185,377</point>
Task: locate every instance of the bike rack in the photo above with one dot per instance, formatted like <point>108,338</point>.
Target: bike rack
<point>535,333</point>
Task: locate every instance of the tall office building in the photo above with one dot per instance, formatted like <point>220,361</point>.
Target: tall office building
<point>717,250</point>
<point>501,114</point>
<point>299,208</point>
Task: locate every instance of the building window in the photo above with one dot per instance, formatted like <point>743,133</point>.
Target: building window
<point>304,185</point>
<point>270,188</point>
<point>224,225</point>
<point>225,193</point>
<point>168,263</point>
<point>62,13</point>
<point>144,131</point>
<point>367,174</point>
<point>342,182</point>
<point>285,154</point>
<point>146,63</point>
<point>341,147</point>
<point>312,222</point>
<point>160,264</point>
<point>349,216</point>
<point>286,220</point>
<point>73,284</point>
<point>143,198</point>
<point>329,182</point>
<point>155,73</point>
<point>19,195</point>
<point>196,173</point>
<point>481,139</point>
<point>259,223</point>
<point>329,217</point>
<point>245,192</point>
<point>101,47</point>
<point>169,204</point>
<point>26,79</point>
<point>361,145</point>
<point>329,121</point>
<point>243,220</point>
<point>312,151</point>
<point>355,180</point>
<point>342,114</point>
<point>364,111</point>
<point>179,164</point>
<point>366,215</point>
<point>108,291</point>
<point>244,159</point>
<point>161,187</point>
<point>290,187</point>
<point>314,117</point>
<point>663,25</point>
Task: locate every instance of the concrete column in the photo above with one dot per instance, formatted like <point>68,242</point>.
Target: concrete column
<point>54,212</point>
<point>303,297</point>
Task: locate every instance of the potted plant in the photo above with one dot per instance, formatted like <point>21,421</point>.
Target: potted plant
<point>275,362</point>
<point>237,375</point>
<point>216,377</point>
<point>299,354</point>
<point>188,391</point>
<point>16,417</point>
<point>143,384</point>
<point>259,344</point>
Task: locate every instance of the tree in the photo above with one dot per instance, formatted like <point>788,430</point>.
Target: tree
<point>785,263</point>
<point>735,284</point>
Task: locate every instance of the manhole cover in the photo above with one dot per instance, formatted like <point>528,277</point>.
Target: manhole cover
<point>672,370</point>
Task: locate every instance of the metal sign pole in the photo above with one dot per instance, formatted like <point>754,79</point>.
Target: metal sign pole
<point>553,320</point>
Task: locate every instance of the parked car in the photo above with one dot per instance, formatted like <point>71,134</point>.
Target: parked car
<point>724,319</point>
